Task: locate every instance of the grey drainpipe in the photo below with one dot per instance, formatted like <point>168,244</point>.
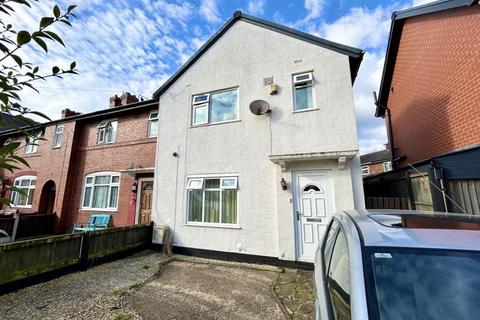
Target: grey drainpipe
<point>390,134</point>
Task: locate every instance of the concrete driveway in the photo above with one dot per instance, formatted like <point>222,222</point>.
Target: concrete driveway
<point>185,290</point>
<point>150,286</point>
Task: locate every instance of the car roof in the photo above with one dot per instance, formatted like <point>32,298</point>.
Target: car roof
<point>417,229</point>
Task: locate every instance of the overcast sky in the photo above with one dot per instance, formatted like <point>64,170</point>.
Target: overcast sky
<point>125,45</point>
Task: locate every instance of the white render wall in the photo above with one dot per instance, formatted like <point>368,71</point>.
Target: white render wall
<point>241,58</point>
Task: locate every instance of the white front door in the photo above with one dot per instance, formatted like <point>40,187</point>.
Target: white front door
<point>313,209</point>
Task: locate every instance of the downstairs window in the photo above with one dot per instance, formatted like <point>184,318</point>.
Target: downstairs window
<point>100,191</point>
<point>23,196</point>
<point>212,200</point>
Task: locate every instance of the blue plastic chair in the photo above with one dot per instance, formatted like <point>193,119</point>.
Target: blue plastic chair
<point>95,222</point>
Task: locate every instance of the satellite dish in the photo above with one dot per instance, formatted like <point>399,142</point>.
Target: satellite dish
<point>259,107</point>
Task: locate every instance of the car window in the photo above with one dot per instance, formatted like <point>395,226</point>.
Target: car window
<point>413,283</point>
<point>338,279</point>
<point>328,244</point>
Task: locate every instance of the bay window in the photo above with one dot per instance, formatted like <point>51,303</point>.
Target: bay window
<point>212,200</point>
<point>215,107</point>
<point>100,191</point>
<point>24,187</point>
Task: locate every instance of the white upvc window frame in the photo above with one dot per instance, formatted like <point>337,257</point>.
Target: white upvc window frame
<point>89,182</point>
<point>32,142</point>
<point>299,83</point>
<point>387,166</point>
<point>17,183</point>
<point>206,103</point>
<point>151,119</point>
<point>201,179</point>
<point>58,136</point>
<point>365,170</point>
<point>102,131</point>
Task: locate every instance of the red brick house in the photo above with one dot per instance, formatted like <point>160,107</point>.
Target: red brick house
<point>98,162</point>
<point>430,99</point>
<point>376,162</point>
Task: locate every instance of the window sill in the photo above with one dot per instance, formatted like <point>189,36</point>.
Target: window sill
<point>305,110</point>
<point>100,210</point>
<point>22,207</point>
<point>212,124</point>
<point>213,225</point>
<point>59,147</point>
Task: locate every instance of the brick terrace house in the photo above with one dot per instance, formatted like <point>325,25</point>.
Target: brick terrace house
<point>376,162</point>
<point>98,162</point>
<point>430,99</point>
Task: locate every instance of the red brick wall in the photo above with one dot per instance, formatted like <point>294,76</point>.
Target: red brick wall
<point>80,155</point>
<point>47,164</point>
<point>435,94</point>
<point>132,148</point>
<point>375,168</point>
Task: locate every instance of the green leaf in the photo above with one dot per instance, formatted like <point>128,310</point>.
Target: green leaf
<point>66,22</point>
<point>55,70</point>
<point>35,70</point>
<point>23,37</point>
<point>56,11</point>
<point>54,36</point>
<point>46,21</point>
<point>31,86</point>
<point>41,43</point>
<point>20,160</point>
<point>70,8</point>
<point>73,65</point>
<point>4,48</point>
<point>24,2</point>
<point>42,115</point>
<point>9,148</point>
<point>5,201</point>
<point>17,59</point>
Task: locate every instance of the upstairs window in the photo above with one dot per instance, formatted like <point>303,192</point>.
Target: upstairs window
<point>215,107</point>
<point>107,131</point>
<point>387,166</point>
<point>101,191</point>
<point>57,139</point>
<point>365,170</point>
<point>153,124</point>
<point>212,200</point>
<point>303,91</point>
<point>22,197</point>
<point>32,142</point>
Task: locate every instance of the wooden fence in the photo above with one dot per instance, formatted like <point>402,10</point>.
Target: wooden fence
<point>387,203</point>
<point>23,259</point>
<point>27,225</point>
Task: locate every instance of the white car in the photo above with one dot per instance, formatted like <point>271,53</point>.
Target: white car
<point>399,265</point>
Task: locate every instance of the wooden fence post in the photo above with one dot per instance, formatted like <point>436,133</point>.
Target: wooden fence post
<point>84,251</point>
<point>16,216</point>
<point>150,234</point>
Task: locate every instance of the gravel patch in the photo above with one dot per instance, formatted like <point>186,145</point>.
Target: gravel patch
<point>97,293</point>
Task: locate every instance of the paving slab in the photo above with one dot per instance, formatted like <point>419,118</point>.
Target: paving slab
<point>296,292</point>
<point>186,290</point>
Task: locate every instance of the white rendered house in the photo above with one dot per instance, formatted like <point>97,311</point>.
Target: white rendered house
<point>231,181</point>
